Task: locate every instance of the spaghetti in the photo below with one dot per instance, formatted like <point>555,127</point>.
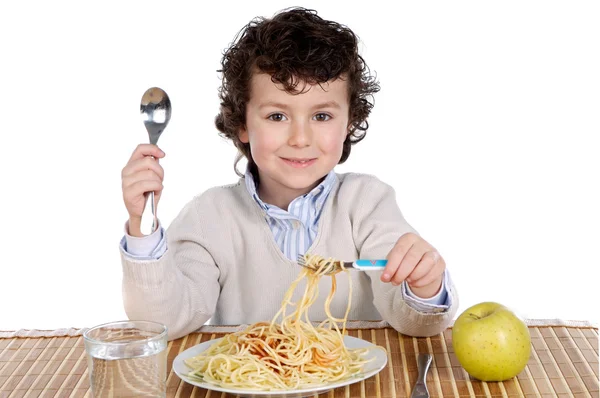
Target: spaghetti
<point>286,355</point>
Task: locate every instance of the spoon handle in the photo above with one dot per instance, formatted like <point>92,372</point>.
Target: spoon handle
<point>148,223</point>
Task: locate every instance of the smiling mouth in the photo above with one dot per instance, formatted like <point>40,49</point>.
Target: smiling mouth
<point>298,160</point>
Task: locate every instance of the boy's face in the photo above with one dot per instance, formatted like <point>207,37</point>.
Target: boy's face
<point>295,139</point>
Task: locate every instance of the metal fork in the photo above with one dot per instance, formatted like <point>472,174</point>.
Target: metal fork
<point>361,265</point>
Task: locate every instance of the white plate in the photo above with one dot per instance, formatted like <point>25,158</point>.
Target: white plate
<point>369,370</point>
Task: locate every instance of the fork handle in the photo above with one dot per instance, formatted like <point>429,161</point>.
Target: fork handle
<point>369,265</point>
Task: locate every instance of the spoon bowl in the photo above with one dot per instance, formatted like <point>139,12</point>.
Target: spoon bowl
<point>156,112</point>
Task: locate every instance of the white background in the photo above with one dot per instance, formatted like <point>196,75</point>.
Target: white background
<point>487,126</point>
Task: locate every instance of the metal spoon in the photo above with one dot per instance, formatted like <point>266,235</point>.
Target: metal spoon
<point>156,113</point>
<point>420,389</point>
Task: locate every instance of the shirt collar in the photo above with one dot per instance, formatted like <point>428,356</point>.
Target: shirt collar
<point>319,193</point>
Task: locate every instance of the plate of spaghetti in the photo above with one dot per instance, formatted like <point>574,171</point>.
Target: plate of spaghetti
<point>290,356</point>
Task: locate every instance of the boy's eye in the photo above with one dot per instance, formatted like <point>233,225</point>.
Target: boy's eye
<point>322,117</point>
<point>276,117</point>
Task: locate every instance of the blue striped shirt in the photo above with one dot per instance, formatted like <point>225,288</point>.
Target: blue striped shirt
<point>296,228</point>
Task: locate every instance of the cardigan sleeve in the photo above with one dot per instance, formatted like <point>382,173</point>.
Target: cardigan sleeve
<point>378,224</point>
<point>181,288</point>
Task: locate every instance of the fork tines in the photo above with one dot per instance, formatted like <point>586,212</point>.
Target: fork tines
<point>336,264</point>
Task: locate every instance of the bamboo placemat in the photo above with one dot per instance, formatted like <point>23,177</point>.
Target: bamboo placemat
<point>564,363</point>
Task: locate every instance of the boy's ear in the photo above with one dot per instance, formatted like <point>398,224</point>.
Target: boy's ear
<point>243,135</point>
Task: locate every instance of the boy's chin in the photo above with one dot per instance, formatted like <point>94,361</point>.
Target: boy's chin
<point>302,183</point>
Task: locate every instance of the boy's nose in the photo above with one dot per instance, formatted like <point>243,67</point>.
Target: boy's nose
<point>300,135</point>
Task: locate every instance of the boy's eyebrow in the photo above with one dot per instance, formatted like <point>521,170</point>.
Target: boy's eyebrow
<point>328,104</point>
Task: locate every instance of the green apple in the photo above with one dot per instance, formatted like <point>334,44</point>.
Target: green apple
<point>491,342</point>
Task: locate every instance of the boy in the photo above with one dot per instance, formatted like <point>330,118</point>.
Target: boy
<point>294,98</point>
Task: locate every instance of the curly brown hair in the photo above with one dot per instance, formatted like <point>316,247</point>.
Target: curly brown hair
<point>295,46</point>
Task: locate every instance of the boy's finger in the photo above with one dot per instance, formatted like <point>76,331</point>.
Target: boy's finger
<point>144,175</point>
<point>408,264</point>
<point>409,239</point>
<point>432,275</point>
<point>145,163</point>
<point>394,258</point>
<point>427,262</point>
<point>146,150</point>
<point>141,187</point>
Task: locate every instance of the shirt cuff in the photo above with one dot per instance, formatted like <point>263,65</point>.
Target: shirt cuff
<point>438,303</point>
<point>150,247</point>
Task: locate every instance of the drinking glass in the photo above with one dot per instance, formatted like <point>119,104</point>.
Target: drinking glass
<point>127,359</point>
